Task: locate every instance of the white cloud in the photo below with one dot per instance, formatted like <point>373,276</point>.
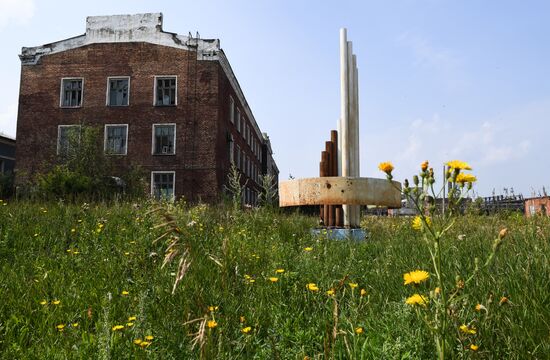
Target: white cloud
<point>8,120</point>
<point>16,11</point>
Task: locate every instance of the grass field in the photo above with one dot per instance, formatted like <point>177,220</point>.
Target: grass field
<point>85,282</point>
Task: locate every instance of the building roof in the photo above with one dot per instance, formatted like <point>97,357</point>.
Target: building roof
<point>6,139</point>
<point>141,28</point>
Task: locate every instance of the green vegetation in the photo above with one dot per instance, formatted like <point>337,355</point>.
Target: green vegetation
<point>101,263</point>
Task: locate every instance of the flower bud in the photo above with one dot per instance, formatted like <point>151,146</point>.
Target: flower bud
<point>424,165</point>
<point>502,234</point>
<point>406,183</point>
<point>415,180</point>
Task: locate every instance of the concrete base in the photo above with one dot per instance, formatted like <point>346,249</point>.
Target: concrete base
<point>341,233</point>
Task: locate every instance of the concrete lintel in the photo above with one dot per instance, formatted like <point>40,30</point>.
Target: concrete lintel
<point>336,190</point>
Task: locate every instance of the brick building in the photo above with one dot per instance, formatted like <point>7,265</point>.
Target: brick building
<point>537,206</point>
<point>7,154</point>
<point>166,102</point>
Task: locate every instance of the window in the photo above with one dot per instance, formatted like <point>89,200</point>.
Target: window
<point>118,91</point>
<point>116,139</point>
<point>162,185</point>
<point>165,91</point>
<point>71,92</point>
<point>164,139</point>
<point>238,119</point>
<point>231,110</point>
<point>532,210</point>
<point>231,150</point>
<point>68,139</point>
<point>238,157</point>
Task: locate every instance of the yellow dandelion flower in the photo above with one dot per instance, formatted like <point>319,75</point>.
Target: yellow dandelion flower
<point>359,330</point>
<point>242,319</point>
<point>126,253</point>
<point>213,308</point>
<point>459,165</point>
<point>415,277</point>
<point>418,224</point>
<point>73,230</point>
<point>386,167</point>
<point>60,327</point>
<point>211,324</point>
<point>149,337</point>
<point>480,307</point>
<point>132,318</point>
<point>144,344</point>
<point>130,324</point>
<point>312,287</point>
<point>474,347</point>
<point>44,302</point>
<point>363,292</point>
<point>503,300</point>
<point>465,178</point>
<point>124,293</point>
<point>353,285</point>
<point>252,281</point>
<point>424,165</point>
<point>246,330</point>
<point>330,292</point>
<point>308,249</point>
<point>417,299</point>
<point>437,290</point>
<point>117,327</point>
<point>467,330</point>
<point>280,271</point>
<point>138,341</point>
<point>56,302</point>
<point>75,325</point>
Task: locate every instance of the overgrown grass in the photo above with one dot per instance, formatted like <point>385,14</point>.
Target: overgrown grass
<point>88,269</point>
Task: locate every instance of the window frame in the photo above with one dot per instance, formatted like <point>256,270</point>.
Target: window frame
<point>231,109</point>
<point>59,134</point>
<point>153,144</point>
<point>105,139</point>
<point>61,93</point>
<point>156,77</point>
<point>108,92</point>
<point>153,172</point>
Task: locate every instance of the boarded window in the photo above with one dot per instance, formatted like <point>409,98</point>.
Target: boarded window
<point>165,91</point>
<point>71,95</point>
<point>118,91</point>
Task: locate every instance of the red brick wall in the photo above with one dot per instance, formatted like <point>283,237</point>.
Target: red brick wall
<point>198,164</point>
<point>541,206</point>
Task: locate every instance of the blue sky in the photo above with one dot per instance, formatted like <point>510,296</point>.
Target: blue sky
<point>438,79</point>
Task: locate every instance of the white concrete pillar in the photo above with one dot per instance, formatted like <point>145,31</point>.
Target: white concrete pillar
<point>344,113</point>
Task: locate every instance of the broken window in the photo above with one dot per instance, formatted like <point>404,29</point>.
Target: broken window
<point>118,91</point>
<point>71,92</point>
<point>116,138</point>
<point>162,185</point>
<point>164,139</point>
<point>68,139</point>
<point>165,91</point>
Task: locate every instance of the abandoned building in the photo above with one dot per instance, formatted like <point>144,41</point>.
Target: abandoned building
<point>168,103</point>
<point>537,206</point>
<point>7,154</point>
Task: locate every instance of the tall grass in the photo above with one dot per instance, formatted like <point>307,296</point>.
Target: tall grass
<point>112,252</point>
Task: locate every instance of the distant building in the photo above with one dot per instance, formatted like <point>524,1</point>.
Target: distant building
<point>166,102</point>
<point>7,154</point>
<point>537,205</point>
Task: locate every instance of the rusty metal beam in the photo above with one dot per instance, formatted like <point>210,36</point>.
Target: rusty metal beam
<point>336,190</point>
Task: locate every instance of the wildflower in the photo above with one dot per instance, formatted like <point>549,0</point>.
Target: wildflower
<point>211,324</point>
<point>252,281</point>
<point>353,285</point>
<point>273,279</point>
<point>502,233</point>
<point>363,292</point>
<point>126,253</point>
<point>60,327</point>
<point>246,330</point>
<point>56,302</point>
<point>132,318</point>
<point>117,327</point>
<point>75,325</point>
<point>44,302</point>
<point>503,300</point>
<point>130,324</point>
<point>359,330</point>
<point>418,224</point>
<point>459,165</point>
<point>242,319</point>
<point>386,167</point>
<point>73,230</point>
<point>213,308</point>
<point>463,178</point>
<point>149,337</point>
<point>474,347</point>
<point>312,287</point>
<point>467,330</point>
<point>144,344</point>
<point>247,277</point>
<point>280,271</point>
<point>437,290</point>
<point>416,277</point>
<point>424,165</point>
<point>36,235</point>
<point>480,307</point>
<point>124,293</point>
<point>330,292</point>
<point>308,249</point>
<point>417,299</point>
<point>137,341</point>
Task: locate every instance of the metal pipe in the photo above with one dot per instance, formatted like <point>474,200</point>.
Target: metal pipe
<point>344,112</point>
